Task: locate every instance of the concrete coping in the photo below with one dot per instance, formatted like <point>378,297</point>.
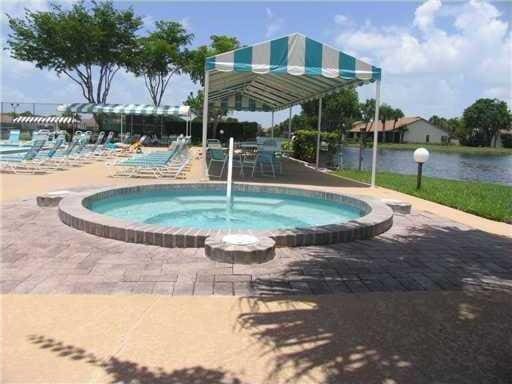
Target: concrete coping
<point>260,250</point>
<point>73,210</point>
<point>398,206</point>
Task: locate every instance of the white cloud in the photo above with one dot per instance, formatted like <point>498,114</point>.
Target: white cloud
<point>14,68</point>
<point>186,23</point>
<point>451,65</point>
<point>341,19</point>
<point>148,23</point>
<point>425,14</point>
<point>273,23</point>
<point>16,8</point>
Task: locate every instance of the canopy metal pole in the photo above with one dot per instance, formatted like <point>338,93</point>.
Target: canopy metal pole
<point>121,127</point>
<point>290,124</point>
<point>318,134</point>
<point>375,133</point>
<point>272,128</point>
<point>205,121</point>
<point>188,126</point>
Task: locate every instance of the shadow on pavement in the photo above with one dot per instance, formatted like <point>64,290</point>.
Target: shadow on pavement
<point>293,172</point>
<point>452,325</point>
<point>129,372</point>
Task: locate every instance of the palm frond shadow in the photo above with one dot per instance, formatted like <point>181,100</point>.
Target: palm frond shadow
<point>454,334</point>
<point>126,371</point>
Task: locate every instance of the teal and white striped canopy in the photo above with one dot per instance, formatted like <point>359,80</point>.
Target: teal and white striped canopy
<point>239,102</point>
<point>284,72</point>
<point>125,109</point>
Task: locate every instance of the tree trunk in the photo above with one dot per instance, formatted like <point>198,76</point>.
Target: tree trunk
<point>361,146</point>
<point>98,118</point>
<point>216,122</point>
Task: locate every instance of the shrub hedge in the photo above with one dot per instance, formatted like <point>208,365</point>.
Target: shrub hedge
<point>506,140</point>
<point>304,143</point>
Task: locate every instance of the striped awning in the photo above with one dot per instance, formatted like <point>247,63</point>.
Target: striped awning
<point>125,109</point>
<point>284,72</point>
<point>241,102</point>
<point>44,120</point>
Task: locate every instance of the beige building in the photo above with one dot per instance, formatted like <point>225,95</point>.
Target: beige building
<point>404,130</point>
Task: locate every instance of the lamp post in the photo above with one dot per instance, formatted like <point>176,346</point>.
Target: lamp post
<point>14,106</point>
<point>421,156</point>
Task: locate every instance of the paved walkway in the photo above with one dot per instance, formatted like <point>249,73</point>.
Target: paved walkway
<point>420,253</point>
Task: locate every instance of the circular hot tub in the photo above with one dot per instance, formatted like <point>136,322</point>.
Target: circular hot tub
<point>184,215</point>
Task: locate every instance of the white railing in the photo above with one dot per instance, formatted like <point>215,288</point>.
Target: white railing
<point>229,196</point>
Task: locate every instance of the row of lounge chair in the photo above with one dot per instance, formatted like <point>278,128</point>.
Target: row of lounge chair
<point>42,157</point>
<point>172,163</point>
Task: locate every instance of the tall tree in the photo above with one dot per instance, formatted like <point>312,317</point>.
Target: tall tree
<point>218,44</point>
<point>367,114</point>
<point>397,115</point>
<point>195,69</point>
<point>386,112</point>
<point>483,121</point>
<point>160,56</point>
<point>339,110</point>
<point>88,44</point>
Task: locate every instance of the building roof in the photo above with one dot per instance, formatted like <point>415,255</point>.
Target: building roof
<point>390,125</point>
<point>6,118</point>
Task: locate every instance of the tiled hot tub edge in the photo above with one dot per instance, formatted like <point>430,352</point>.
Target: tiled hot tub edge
<point>73,211</point>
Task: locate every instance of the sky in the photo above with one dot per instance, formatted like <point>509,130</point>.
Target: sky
<point>436,57</point>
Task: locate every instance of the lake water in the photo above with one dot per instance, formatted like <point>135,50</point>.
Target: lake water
<point>456,166</point>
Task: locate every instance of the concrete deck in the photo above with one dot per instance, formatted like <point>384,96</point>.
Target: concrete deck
<point>399,338</point>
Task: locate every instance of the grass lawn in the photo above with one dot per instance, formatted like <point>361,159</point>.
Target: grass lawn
<point>493,201</point>
<point>444,148</point>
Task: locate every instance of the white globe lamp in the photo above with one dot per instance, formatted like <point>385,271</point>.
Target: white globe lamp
<point>421,156</point>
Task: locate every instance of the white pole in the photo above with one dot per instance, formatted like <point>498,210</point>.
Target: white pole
<point>272,128</point>
<point>188,127</point>
<point>290,124</point>
<point>230,173</point>
<point>375,133</point>
<point>205,121</point>
<point>318,134</point>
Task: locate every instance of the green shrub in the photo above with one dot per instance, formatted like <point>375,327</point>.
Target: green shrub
<point>506,140</point>
<point>304,144</point>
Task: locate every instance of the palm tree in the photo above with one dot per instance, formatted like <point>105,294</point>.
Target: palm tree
<point>367,114</point>
<point>386,112</point>
<point>397,114</point>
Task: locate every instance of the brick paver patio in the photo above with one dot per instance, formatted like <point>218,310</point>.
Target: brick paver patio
<point>421,252</point>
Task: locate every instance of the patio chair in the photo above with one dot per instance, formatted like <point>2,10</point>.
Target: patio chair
<point>44,159</point>
<point>62,156</point>
<point>135,147</point>
<point>155,164</point>
<point>14,137</point>
<point>213,143</point>
<point>44,155</point>
<point>22,162</point>
<point>262,159</point>
<point>42,134</point>
<point>218,155</point>
<point>91,150</point>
